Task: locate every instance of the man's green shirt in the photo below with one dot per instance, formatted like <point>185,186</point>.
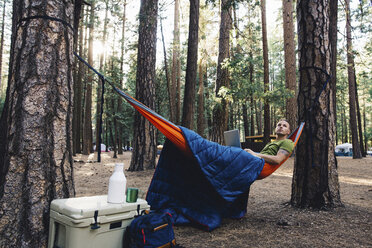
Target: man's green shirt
<point>272,148</point>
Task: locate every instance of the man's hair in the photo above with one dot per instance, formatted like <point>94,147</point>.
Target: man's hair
<point>284,119</point>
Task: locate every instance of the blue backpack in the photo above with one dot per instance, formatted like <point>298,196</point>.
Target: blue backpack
<point>150,229</point>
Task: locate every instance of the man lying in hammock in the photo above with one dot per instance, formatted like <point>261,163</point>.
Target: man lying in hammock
<point>277,151</point>
<point>213,183</point>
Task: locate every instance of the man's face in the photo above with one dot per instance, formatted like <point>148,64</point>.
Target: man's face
<point>282,128</point>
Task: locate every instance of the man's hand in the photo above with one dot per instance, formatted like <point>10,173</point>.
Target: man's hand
<point>274,160</point>
<point>251,152</point>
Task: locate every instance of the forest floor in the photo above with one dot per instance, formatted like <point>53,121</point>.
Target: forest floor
<point>270,221</point>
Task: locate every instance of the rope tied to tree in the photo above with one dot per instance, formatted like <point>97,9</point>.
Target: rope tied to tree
<point>45,17</point>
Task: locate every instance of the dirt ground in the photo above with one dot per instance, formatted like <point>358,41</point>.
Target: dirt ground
<point>270,221</point>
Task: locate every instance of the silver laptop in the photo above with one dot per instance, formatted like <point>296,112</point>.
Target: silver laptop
<point>232,138</point>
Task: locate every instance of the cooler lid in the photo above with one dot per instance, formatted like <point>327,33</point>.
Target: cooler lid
<point>84,207</point>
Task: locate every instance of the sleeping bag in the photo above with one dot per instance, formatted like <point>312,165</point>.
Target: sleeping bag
<point>204,188</point>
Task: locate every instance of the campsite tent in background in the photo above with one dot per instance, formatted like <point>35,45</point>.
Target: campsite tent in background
<point>103,147</point>
<point>345,149</point>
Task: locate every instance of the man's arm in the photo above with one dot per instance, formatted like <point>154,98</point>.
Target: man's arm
<point>275,160</point>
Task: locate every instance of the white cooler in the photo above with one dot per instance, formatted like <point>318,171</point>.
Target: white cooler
<point>90,222</point>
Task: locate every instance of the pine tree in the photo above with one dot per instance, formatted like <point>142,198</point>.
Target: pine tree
<point>315,177</point>
<point>37,166</point>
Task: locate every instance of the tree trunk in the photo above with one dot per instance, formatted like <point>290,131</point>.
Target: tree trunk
<point>342,128</point>
<point>170,88</point>
<point>77,13</point>
<point>84,73</point>
<point>359,118</point>
<point>37,165</point>
<point>333,13</point>
<point>119,126</point>
<point>2,42</point>
<point>209,121</point>
<point>176,65</point>
<point>266,73</point>
<point>220,111</point>
<point>112,138</point>
<point>257,111</point>
<point>273,118</point>
<point>99,84</point>
<point>113,133</point>
<point>230,119</point>
<point>245,120</point>
<point>120,102</point>
<point>251,78</point>
<point>345,125</point>
<point>290,62</point>
<point>351,78</point>
<point>251,70</point>
<point>200,120</point>
<point>191,67</point>
<point>365,128</point>
<point>315,177</point>
<point>78,98</point>
<point>106,133</point>
<point>76,119</point>
<point>87,129</point>
<point>144,141</point>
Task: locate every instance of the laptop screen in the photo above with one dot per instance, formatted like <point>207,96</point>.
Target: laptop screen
<point>232,138</point>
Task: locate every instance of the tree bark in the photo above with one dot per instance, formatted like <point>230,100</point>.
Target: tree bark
<point>290,62</point>
<point>342,128</point>
<point>266,73</point>
<point>76,119</point>
<point>2,42</point>
<point>87,128</point>
<point>359,118</point>
<point>315,177</point>
<point>78,97</point>
<point>188,109</point>
<point>258,113</point>
<point>230,117</point>
<point>346,128</point>
<point>144,141</point>
<point>37,165</point>
<point>84,75</point>
<point>251,78</point>
<point>251,133</point>
<point>120,102</point>
<point>245,120</point>
<point>251,71</point>
<point>170,88</point>
<point>333,13</point>
<point>176,65</point>
<point>99,84</point>
<point>220,111</point>
<point>114,133</point>
<point>351,78</point>
<point>201,119</point>
<point>365,129</point>
<point>112,138</point>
